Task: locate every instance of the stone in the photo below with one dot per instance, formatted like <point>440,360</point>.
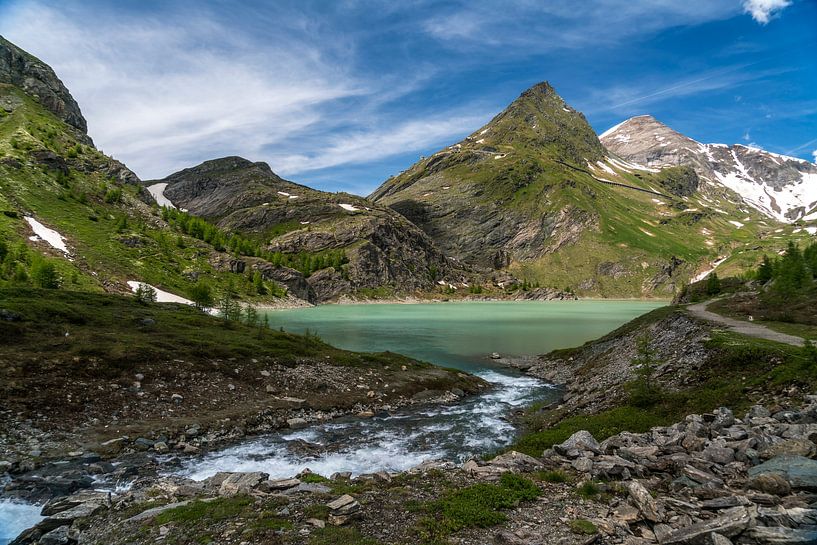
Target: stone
<point>241,483</point>
<point>580,441</point>
<point>719,539</point>
<point>798,471</point>
<point>279,484</point>
<point>296,422</point>
<point>516,461</point>
<point>719,455</point>
<point>58,536</point>
<point>723,419</point>
<point>626,514</point>
<point>729,524</point>
<point>317,523</point>
<point>583,465</point>
<point>782,535</point>
<point>161,447</point>
<point>143,443</point>
<point>770,483</point>
<point>176,398</point>
<point>793,447</point>
<point>645,502</point>
<point>342,502</point>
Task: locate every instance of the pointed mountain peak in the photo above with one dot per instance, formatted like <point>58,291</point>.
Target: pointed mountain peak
<point>39,81</point>
<point>540,118</point>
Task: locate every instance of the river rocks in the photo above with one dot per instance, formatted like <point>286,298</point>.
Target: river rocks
<point>232,484</point>
<point>516,461</point>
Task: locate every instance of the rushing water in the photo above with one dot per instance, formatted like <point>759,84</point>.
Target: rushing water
<point>16,517</point>
<point>460,335</point>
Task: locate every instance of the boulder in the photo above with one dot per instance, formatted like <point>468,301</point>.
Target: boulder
<point>729,524</point>
<point>793,447</point>
<point>798,471</point>
<point>241,483</point>
<point>57,536</point>
<point>770,483</point>
<point>516,461</point>
<point>578,442</point>
<point>645,502</point>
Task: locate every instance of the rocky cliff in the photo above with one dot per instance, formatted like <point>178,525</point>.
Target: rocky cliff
<point>37,79</point>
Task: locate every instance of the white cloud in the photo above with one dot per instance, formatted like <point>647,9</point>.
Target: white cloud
<point>814,154</point>
<point>763,11</point>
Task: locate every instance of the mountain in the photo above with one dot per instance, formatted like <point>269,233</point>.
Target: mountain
<point>384,253</point>
<point>781,187</point>
<point>535,193</point>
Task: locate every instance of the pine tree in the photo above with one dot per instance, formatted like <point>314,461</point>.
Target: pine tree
<point>765,271</point>
<point>258,282</point>
<point>713,284</point>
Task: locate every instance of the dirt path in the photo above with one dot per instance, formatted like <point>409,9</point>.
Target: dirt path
<point>742,327</point>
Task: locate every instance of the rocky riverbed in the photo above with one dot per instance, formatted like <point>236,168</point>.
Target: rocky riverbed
<point>710,479</point>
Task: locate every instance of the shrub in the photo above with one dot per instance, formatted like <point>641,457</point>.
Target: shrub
<point>145,293</point>
<point>583,527</point>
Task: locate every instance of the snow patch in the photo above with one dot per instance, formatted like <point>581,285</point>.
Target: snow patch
<point>707,272</point>
<point>736,223</point>
<point>349,207</point>
<point>157,191</point>
<point>53,238</point>
<point>161,296</point>
<point>612,129</point>
<point>811,230</point>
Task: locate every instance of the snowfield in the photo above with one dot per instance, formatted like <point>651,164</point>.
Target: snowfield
<point>53,238</point>
<point>157,191</point>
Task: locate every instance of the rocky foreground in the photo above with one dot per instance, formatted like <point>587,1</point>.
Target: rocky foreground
<point>710,479</point>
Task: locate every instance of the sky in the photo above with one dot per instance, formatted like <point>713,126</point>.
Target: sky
<point>342,94</point>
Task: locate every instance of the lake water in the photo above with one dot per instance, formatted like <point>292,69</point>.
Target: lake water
<point>460,335</point>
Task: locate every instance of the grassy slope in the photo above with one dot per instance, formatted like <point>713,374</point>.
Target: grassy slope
<point>75,206</point>
<point>73,356</point>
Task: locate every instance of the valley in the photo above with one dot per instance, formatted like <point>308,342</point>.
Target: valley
<point>535,335</point>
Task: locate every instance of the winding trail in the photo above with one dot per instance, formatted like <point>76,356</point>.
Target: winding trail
<point>744,328</point>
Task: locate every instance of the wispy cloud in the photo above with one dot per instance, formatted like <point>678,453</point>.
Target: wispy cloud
<point>763,11</point>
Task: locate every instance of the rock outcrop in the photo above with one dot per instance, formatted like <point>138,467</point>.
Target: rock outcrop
<point>37,79</point>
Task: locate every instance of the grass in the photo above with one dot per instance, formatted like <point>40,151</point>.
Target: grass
<point>553,476</point>
<point>313,478</point>
<point>124,332</point>
<point>588,490</point>
<point>479,505</point>
<point>211,511</point>
<point>583,527</point>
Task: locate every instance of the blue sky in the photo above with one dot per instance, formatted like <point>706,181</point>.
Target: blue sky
<point>342,94</point>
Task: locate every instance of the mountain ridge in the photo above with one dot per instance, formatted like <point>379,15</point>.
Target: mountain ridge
<point>781,187</point>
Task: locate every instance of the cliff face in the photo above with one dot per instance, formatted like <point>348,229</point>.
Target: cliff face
<point>38,80</point>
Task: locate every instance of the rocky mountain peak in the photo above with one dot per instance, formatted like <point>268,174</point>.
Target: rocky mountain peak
<point>38,80</point>
<point>784,188</point>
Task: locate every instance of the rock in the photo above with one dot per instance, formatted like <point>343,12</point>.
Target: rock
<point>150,513</point>
<point>64,503</point>
<point>626,514</point>
<point>58,536</point>
<point>770,483</point>
<point>719,455</point>
<point>781,535</point>
<point>296,422</point>
<point>798,471</point>
<point>583,465</point>
<point>5,466</point>
<point>241,483</point>
<point>495,356</point>
<point>161,447</point>
<point>176,398</point>
<point>793,447</point>
<point>343,509</point>
<point>516,461</point>
<point>143,444</point>
<point>757,411</point>
<point>580,441</point>
<point>729,524</point>
<point>645,502</point>
<point>279,484</point>
<point>723,419</point>
<point>719,539</point>
<point>317,523</point>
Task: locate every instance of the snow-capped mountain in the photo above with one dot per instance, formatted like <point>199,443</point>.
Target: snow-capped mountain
<point>782,187</point>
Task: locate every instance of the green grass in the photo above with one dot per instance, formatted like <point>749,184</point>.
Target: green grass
<point>199,510</point>
<point>479,506</point>
<point>313,478</point>
<point>583,527</point>
<point>553,476</point>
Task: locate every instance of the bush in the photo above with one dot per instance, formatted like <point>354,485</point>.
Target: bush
<point>583,527</point>
<point>44,274</point>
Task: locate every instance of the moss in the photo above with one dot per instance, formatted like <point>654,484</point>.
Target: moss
<point>583,527</point>
<point>313,478</point>
<point>554,476</point>
<point>588,490</point>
